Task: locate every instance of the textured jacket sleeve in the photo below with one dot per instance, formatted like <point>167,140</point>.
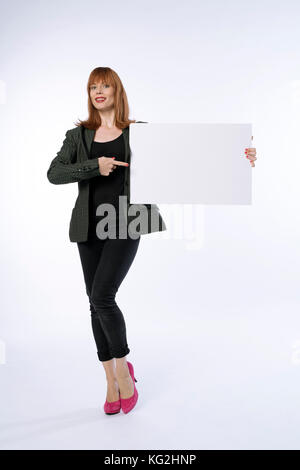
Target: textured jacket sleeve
<point>63,170</point>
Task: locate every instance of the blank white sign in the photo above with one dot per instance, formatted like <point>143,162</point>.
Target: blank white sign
<point>190,163</point>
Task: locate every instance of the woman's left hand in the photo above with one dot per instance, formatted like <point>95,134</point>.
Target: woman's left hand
<point>250,153</point>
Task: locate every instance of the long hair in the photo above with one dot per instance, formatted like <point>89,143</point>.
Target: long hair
<point>109,76</point>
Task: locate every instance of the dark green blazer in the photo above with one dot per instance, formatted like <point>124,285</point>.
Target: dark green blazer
<point>72,165</point>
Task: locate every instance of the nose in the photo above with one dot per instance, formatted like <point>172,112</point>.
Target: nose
<point>100,89</point>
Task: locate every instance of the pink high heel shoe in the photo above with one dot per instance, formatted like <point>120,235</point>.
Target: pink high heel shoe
<point>113,407</point>
<point>128,403</point>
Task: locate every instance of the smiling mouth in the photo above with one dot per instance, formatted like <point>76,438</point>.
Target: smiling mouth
<point>100,100</point>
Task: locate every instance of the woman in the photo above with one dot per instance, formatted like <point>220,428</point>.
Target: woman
<point>96,155</point>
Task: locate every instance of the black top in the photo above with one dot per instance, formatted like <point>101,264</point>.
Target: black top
<point>106,189</point>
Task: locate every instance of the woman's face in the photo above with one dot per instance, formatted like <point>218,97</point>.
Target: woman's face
<point>102,95</point>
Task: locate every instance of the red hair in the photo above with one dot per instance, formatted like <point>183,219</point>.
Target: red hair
<point>109,76</point>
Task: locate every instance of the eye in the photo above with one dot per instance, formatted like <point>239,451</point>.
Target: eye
<point>93,86</point>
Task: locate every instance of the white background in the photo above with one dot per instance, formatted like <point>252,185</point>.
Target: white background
<point>216,347</point>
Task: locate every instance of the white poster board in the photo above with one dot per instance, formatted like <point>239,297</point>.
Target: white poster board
<point>190,163</point>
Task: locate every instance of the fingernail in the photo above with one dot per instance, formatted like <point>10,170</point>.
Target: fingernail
<point>113,158</point>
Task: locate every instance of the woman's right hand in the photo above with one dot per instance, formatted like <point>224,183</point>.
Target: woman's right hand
<point>108,164</point>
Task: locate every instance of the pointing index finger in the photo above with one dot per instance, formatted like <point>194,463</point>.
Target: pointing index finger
<point>118,162</point>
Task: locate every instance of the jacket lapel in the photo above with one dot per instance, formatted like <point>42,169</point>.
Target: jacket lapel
<point>126,141</point>
<point>89,135</point>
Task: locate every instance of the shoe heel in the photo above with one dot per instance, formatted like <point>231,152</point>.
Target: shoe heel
<point>128,403</point>
<point>130,367</point>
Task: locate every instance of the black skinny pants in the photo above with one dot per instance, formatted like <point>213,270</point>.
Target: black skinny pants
<point>105,264</point>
